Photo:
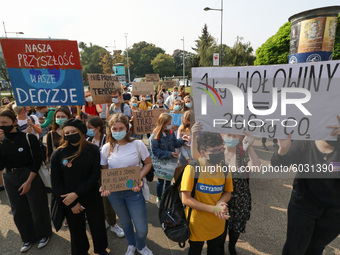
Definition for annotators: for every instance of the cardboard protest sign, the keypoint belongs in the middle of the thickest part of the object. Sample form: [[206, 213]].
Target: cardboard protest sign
[[164, 168], [120, 178], [44, 72], [154, 77], [101, 86], [143, 88], [145, 121], [168, 84], [269, 101]]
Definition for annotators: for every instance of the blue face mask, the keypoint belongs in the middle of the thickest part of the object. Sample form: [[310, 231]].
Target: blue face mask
[[231, 142], [60, 121], [175, 93], [90, 132], [134, 104], [188, 105], [119, 135], [177, 107]]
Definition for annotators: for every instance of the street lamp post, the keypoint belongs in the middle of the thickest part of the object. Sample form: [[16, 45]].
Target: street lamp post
[[221, 10], [17, 33], [127, 57], [183, 62]]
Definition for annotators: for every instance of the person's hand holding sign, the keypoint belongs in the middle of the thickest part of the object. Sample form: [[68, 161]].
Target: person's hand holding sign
[[336, 128], [104, 193], [284, 145], [137, 186]]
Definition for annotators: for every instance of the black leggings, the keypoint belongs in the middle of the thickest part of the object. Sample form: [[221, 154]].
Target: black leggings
[[214, 246]]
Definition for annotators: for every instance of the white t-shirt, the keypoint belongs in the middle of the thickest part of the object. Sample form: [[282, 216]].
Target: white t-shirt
[[23, 125], [123, 155]]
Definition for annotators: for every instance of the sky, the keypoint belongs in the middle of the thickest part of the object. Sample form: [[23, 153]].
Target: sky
[[161, 22]]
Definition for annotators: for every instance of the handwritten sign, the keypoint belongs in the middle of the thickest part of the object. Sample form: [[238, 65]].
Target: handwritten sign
[[44, 72], [143, 88], [169, 84], [269, 101], [164, 168], [154, 77], [144, 122], [101, 86], [176, 118], [120, 178]]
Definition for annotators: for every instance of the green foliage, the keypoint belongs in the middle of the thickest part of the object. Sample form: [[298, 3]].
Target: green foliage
[[205, 47], [91, 58], [178, 62], [140, 56], [336, 52], [276, 49], [239, 55], [163, 64]]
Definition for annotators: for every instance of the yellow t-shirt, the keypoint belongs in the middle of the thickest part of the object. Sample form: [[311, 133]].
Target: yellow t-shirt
[[144, 105], [210, 187]]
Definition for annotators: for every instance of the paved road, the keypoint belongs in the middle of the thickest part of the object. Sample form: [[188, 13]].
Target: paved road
[[266, 229]]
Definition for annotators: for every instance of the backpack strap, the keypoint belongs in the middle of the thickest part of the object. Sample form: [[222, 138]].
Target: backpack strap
[[122, 107]]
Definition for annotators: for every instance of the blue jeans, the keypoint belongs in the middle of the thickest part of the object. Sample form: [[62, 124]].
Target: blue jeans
[[160, 186], [130, 206]]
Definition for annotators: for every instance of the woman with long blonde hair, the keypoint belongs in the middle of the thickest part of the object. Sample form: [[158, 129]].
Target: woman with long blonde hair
[[75, 173], [129, 205], [163, 142]]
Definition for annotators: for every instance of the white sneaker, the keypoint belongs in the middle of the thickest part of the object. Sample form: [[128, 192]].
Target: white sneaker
[[131, 250], [158, 201], [117, 230], [25, 247], [107, 225], [145, 251]]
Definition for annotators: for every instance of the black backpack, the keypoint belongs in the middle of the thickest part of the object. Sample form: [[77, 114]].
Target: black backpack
[[172, 214]]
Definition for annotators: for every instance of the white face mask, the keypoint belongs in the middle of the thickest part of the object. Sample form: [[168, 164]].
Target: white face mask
[[143, 98], [89, 99], [168, 127], [115, 100]]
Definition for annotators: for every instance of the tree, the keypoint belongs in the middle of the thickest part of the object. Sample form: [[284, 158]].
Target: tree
[[276, 49], [239, 55], [163, 64], [107, 62], [205, 47], [90, 58], [4, 73], [336, 51], [140, 56], [178, 62]]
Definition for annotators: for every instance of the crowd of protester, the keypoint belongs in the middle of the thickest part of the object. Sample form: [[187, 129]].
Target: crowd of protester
[[78, 141]]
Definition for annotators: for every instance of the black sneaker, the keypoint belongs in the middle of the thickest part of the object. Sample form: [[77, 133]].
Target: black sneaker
[[26, 247], [264, 147], [43, 242], [2, 188]]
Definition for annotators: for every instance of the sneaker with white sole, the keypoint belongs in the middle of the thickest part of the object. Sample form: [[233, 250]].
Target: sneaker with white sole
[[117, 230], [25, 247], [131, 250], [145, 251], [43, 242]]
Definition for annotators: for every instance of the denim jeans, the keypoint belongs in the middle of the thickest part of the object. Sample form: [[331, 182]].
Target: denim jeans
[[130, 206], [160, 187], [310, 227]]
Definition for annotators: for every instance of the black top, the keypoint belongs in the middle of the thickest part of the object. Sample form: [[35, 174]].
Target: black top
[[81, 177], [322, 188], [15, 152]]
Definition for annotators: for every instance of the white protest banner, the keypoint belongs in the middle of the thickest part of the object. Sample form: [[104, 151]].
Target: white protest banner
[[143, 88], [145, 121], [120, 178], [269, 101], [101, 86], [164, 168]]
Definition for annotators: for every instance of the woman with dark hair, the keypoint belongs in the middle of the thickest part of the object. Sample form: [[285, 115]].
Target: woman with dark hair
[[122, 151], [96, 133], [54, 136], [21, 156], [75, 174]]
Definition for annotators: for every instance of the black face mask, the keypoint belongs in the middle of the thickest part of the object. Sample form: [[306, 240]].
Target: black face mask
[[7, 129], [163, 90], [186, 125], [333, 143], [215, 159], [74, 138]]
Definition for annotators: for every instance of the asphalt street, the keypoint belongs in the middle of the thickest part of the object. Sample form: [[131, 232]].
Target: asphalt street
[[265, 232]]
